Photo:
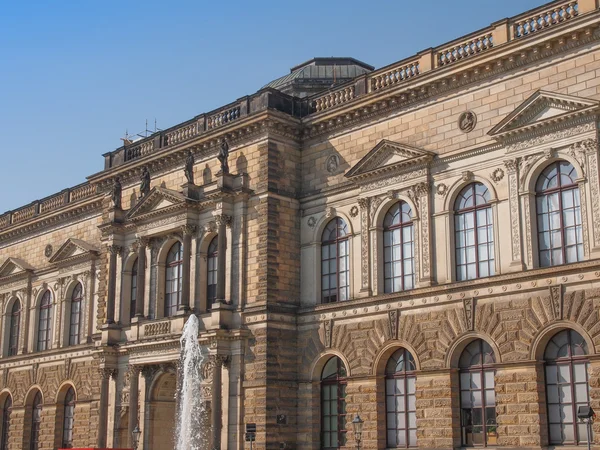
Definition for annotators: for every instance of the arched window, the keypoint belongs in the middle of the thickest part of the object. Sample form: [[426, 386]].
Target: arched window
[[133, 292], [69, 412], [173, 279], [560, 234], [333, 404], [36, 421], [399, 249], [401, 400], [13, 337], [75, 324], [6, 410], [478, 395], [474, 233], [567, 387], [45, 322], [211, 272], [335, 262]]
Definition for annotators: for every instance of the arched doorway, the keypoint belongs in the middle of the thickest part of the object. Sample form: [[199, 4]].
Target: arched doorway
[[162, 412]]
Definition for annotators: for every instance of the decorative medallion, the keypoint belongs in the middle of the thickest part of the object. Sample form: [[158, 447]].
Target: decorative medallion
[[441, 190], [48, 251], [332, 163], [354, 211], [312, 222], [467, 121], [497, 175]]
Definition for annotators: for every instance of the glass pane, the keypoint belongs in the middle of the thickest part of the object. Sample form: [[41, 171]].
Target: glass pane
[[564, 374], [580, 372], [490, 398], [554, 415], [581, 393]]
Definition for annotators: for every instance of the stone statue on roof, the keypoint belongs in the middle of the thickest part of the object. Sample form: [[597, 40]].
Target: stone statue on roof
[[116, 193], [145, 182], [189, 167], [223, 155]]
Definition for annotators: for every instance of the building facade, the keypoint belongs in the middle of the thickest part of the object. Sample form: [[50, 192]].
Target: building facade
[[418, 244]]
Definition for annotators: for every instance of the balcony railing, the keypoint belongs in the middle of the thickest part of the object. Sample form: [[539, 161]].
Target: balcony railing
[[545, 18]]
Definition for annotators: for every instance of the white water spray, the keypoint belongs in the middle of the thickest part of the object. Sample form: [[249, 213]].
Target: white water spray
[[190, 434]]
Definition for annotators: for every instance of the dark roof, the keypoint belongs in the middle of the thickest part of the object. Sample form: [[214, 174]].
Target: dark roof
[[322, 69]]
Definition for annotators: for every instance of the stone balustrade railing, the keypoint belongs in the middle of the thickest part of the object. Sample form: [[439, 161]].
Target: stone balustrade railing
[[53, 203], [138, 151], [334, 98], [546, 18], [465, 49], [157, 329], [223, 117], [46, 205], [181, 134], [81, 192], [394, 75]]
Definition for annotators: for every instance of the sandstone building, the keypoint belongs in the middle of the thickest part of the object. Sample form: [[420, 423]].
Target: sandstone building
[[418, 244]]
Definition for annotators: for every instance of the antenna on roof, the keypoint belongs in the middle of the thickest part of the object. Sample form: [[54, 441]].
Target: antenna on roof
[[334, 74], [126, 140]]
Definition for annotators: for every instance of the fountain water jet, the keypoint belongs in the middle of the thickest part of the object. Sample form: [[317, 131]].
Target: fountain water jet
[[190, 434]]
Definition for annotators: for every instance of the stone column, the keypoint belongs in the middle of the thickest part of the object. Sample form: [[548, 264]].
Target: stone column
[[217, 361], [105, 375], [365, 253], [515, 219], [420, 196], [148, 374], [222, 221], [141, 278], [590, 148], [113, 250], [133, 401], [187, 231]]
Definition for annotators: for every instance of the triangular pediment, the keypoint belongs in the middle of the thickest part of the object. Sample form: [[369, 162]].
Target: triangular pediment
[[159, 199], [389, 155], [543, 108], [73, 249], [13, 267]]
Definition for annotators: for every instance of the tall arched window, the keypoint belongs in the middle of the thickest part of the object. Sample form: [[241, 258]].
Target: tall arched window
[[45, 322], [398, 249], [36, 421], [333, 404], [133, 292], [567, 386], [15, 320], [401, 400], [560, 234], [335, 262], [478, 395], [474, 233], [211, 271], [173, 279], [75, 323], [68, 417], [6, 410]]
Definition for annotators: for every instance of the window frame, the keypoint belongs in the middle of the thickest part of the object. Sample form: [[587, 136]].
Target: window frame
[[6, 412], [14, 328], [44, 335], [133, 289], [212, 267], [36, 421], [570, 362], [339, 380], [76, 300], [482, 369], [403, 375], [68, 418], [173, 267], [560, 189], [459, 212], [400, 227], [340, 224]]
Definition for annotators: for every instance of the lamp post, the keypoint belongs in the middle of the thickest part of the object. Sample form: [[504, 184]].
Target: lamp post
[[586, 415], [357, 425], [135, 434]]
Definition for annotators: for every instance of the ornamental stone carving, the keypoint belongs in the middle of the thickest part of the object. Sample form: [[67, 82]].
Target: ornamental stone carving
[[497, 175], [393, 322], [332, 163], [469, 310], [328, 326], [467, 121], [354, 211], [556, 297], [441, 190]]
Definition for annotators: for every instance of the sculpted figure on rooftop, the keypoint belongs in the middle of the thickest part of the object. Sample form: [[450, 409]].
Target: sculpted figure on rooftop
[[145, 182], [223, 155]]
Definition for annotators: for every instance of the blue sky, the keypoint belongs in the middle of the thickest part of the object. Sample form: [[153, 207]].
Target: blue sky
[[74, 75]]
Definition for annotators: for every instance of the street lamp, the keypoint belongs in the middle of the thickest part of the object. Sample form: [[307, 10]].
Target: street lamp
[[135, 434], [357, 426], [586, 415]]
